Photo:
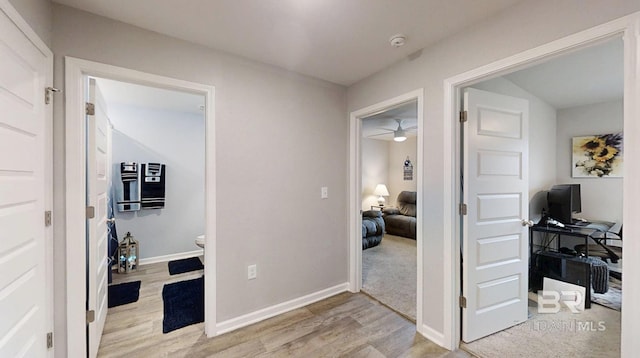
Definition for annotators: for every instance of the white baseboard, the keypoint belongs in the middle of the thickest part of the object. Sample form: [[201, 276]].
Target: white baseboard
[[164, 258], [260, 315], [432, 335]]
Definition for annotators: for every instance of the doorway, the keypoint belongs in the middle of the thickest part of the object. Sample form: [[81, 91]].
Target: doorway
[[389, 192], [357, 196], [76, 71], [624, 27], [569, 98], [148, 192]]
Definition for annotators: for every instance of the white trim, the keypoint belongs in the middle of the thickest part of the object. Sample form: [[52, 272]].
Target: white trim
[[75, 71], [33, 37], [630, 344], [432, 335], [260, 315], [171, 257], [355, 192], [627, 26]]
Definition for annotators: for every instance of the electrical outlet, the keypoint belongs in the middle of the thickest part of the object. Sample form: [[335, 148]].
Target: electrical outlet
[[324, 192], [252, 272]]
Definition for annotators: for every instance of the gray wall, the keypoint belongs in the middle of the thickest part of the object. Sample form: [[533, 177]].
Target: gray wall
[[175, 139], [524, 26], [280, 137], [382, 163], [601, 197], [38, 15], [398, 153], [375, 170]]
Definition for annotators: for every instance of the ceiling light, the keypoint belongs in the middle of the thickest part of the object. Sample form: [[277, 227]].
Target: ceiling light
[[397, 40], [399, 135]]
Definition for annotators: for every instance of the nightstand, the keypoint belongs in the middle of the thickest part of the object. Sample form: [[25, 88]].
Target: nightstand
[[379, 207]]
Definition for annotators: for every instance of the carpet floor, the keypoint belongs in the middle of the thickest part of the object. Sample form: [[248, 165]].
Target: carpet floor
[[594, 332], [389, 273]]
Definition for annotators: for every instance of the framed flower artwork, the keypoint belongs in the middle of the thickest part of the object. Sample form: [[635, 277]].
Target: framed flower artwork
[[597, 156]]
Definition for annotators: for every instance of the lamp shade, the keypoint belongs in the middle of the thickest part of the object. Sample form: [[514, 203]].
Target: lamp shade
[[381, 190]]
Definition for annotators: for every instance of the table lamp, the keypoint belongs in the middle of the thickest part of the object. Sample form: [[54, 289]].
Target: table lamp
[[381, 191]]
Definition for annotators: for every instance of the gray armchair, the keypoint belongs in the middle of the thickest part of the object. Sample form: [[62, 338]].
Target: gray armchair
[[372, 228], [401, 220]]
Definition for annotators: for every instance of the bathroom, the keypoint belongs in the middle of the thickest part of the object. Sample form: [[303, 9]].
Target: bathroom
[[152, 125]]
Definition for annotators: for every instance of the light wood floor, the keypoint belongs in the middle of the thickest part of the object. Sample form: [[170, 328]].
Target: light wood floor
[[346, 325]]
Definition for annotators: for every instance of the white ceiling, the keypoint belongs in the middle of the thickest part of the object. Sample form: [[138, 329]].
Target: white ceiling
[[301, 41], [587, 76], [341, 41], [123, 93]]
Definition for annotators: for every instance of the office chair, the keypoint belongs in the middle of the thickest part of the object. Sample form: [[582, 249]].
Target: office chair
[[601, 249]]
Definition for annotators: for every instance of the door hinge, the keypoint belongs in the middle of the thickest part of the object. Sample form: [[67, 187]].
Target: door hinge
[[47, 94], [463, 209], [49, 340], [47, 218], [91, 316], [91, 212], [463, 116], [90, 109], [463, 302]]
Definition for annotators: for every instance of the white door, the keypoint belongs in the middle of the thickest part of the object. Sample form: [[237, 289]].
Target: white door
[[24, 310], [495, 189], [98, 174]]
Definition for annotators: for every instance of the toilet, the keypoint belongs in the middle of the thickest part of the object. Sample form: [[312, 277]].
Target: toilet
[[200, 241]]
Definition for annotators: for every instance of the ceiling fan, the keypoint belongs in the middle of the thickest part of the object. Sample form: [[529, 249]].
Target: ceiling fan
[[399, 134]]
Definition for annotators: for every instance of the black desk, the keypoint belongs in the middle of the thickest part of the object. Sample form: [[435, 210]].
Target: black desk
[[597, 232]]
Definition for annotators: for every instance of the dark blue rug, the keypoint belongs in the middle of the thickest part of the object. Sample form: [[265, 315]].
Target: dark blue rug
[[123, 293], [185, 265], [183, 304]]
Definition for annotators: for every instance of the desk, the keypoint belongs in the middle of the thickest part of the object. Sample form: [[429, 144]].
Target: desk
[[597, 231], [580, 271]]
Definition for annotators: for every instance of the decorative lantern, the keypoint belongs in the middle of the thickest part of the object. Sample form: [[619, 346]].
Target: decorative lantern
[[128, 251]]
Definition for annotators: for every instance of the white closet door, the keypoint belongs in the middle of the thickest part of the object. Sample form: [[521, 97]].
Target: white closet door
[[24, 310]]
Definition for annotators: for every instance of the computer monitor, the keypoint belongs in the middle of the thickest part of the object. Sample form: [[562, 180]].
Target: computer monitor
[[563, 200]]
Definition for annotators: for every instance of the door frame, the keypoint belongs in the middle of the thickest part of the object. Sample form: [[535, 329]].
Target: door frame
[[355, 191], [76, 71], [628, 28]]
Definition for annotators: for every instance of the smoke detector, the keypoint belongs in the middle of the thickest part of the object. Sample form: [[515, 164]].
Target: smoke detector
[[397, 40]]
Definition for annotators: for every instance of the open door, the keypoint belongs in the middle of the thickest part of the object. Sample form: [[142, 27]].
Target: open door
[[24, 312], [98, 178], [495, 190]]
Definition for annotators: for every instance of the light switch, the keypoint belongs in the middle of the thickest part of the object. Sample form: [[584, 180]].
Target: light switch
[[252, 272], [324, 192]]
